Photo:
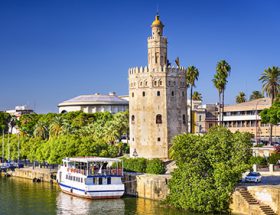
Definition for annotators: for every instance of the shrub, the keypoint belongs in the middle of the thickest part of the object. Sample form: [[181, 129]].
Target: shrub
[[258, 160], [273, 158], [155, 166], [134, 164]]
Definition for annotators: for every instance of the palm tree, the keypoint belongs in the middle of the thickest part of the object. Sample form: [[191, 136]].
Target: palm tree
[[222, 72], [41, 130], [270, 79], [192, 76], [240, 98], [219, 83], [256, 95], [197, 96], [59, 126]]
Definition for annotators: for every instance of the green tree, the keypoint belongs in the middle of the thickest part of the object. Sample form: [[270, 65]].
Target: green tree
[[270, 79], [240, 98], [192, 77], [271, 115], [256, 95], [4, 122], [41, 130], [197, 96], [209, 168]]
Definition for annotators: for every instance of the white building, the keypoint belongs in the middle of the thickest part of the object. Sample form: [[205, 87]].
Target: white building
[[93, 103]]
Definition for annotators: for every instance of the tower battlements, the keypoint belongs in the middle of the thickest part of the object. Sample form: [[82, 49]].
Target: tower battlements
[[161, 69]]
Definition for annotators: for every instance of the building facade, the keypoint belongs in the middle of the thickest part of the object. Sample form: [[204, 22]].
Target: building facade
[[244, 117], [157, 100], [204, 117], [94, 103]]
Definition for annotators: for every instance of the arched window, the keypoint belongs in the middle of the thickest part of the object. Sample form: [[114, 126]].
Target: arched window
[[183, 94], [158, 119], [143, 94], [160, 83], [132, 94], [132, 118], [146, 83], [158, 139], [184, 118], [172, 93], [199, 118], [141, 83], [158, 93], [155, 83]]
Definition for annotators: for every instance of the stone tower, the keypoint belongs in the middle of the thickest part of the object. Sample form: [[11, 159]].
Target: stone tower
[[157, 100]]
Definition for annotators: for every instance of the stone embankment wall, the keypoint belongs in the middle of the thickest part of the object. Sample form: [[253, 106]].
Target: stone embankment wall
[[45, 175], [267, 194], [146, 185]]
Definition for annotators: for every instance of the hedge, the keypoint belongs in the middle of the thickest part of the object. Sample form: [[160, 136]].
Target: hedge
[[153, 166]]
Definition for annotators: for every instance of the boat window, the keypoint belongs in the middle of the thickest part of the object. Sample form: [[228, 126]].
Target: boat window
[[109, 180], [66, 176], [100, 181], [81, 180]]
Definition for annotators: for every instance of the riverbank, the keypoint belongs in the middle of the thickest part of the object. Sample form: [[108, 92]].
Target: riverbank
[[42, 174]]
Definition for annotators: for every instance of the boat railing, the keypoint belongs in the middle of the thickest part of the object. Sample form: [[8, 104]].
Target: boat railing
[[96, 172]]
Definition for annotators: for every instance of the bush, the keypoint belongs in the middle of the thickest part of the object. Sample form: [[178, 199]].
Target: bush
[[273, 159], [155, 166], [258, 160], [135, 164]]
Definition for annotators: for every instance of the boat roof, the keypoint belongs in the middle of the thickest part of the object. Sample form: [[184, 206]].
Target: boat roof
[[91, 159]]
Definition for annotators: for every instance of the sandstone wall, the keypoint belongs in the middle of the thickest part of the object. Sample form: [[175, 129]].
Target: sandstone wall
[[146, 185]]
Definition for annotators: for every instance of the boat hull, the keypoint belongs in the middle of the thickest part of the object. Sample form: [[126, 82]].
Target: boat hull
[[92, 194]]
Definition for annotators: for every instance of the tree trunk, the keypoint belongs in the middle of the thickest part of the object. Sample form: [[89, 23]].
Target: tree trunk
[[191, 118], [223, 104], [187, 112], [270, 125], [219, 110]]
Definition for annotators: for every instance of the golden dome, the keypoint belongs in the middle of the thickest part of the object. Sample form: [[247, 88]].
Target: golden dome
[[157, 22]]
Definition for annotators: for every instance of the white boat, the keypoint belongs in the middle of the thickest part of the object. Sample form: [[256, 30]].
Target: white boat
[[91, 177]]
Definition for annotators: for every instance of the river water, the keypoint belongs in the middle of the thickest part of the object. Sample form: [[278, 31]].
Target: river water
[[23, 197]]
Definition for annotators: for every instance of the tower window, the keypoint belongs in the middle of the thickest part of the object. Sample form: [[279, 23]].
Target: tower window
[[160, 83], [143, 94], [199, 118], [184, 118], [158, 139], [155, 83], [158, 93], [158, 119], [132, 118], [169, 83], [172, 93], [141, 83], [132, 94], [183, 94], [146, 83]]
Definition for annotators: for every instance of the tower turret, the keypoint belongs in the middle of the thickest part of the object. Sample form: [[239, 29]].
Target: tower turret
[[157, 45]]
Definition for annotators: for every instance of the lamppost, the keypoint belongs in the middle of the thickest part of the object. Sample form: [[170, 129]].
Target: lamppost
[[135, 154], [256, 123]]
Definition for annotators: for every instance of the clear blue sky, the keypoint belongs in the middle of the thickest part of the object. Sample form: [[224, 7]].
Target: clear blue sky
[[53, 50]]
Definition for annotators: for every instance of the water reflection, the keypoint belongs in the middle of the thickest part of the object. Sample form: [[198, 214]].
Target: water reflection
[[70, 205], [22, 197]]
